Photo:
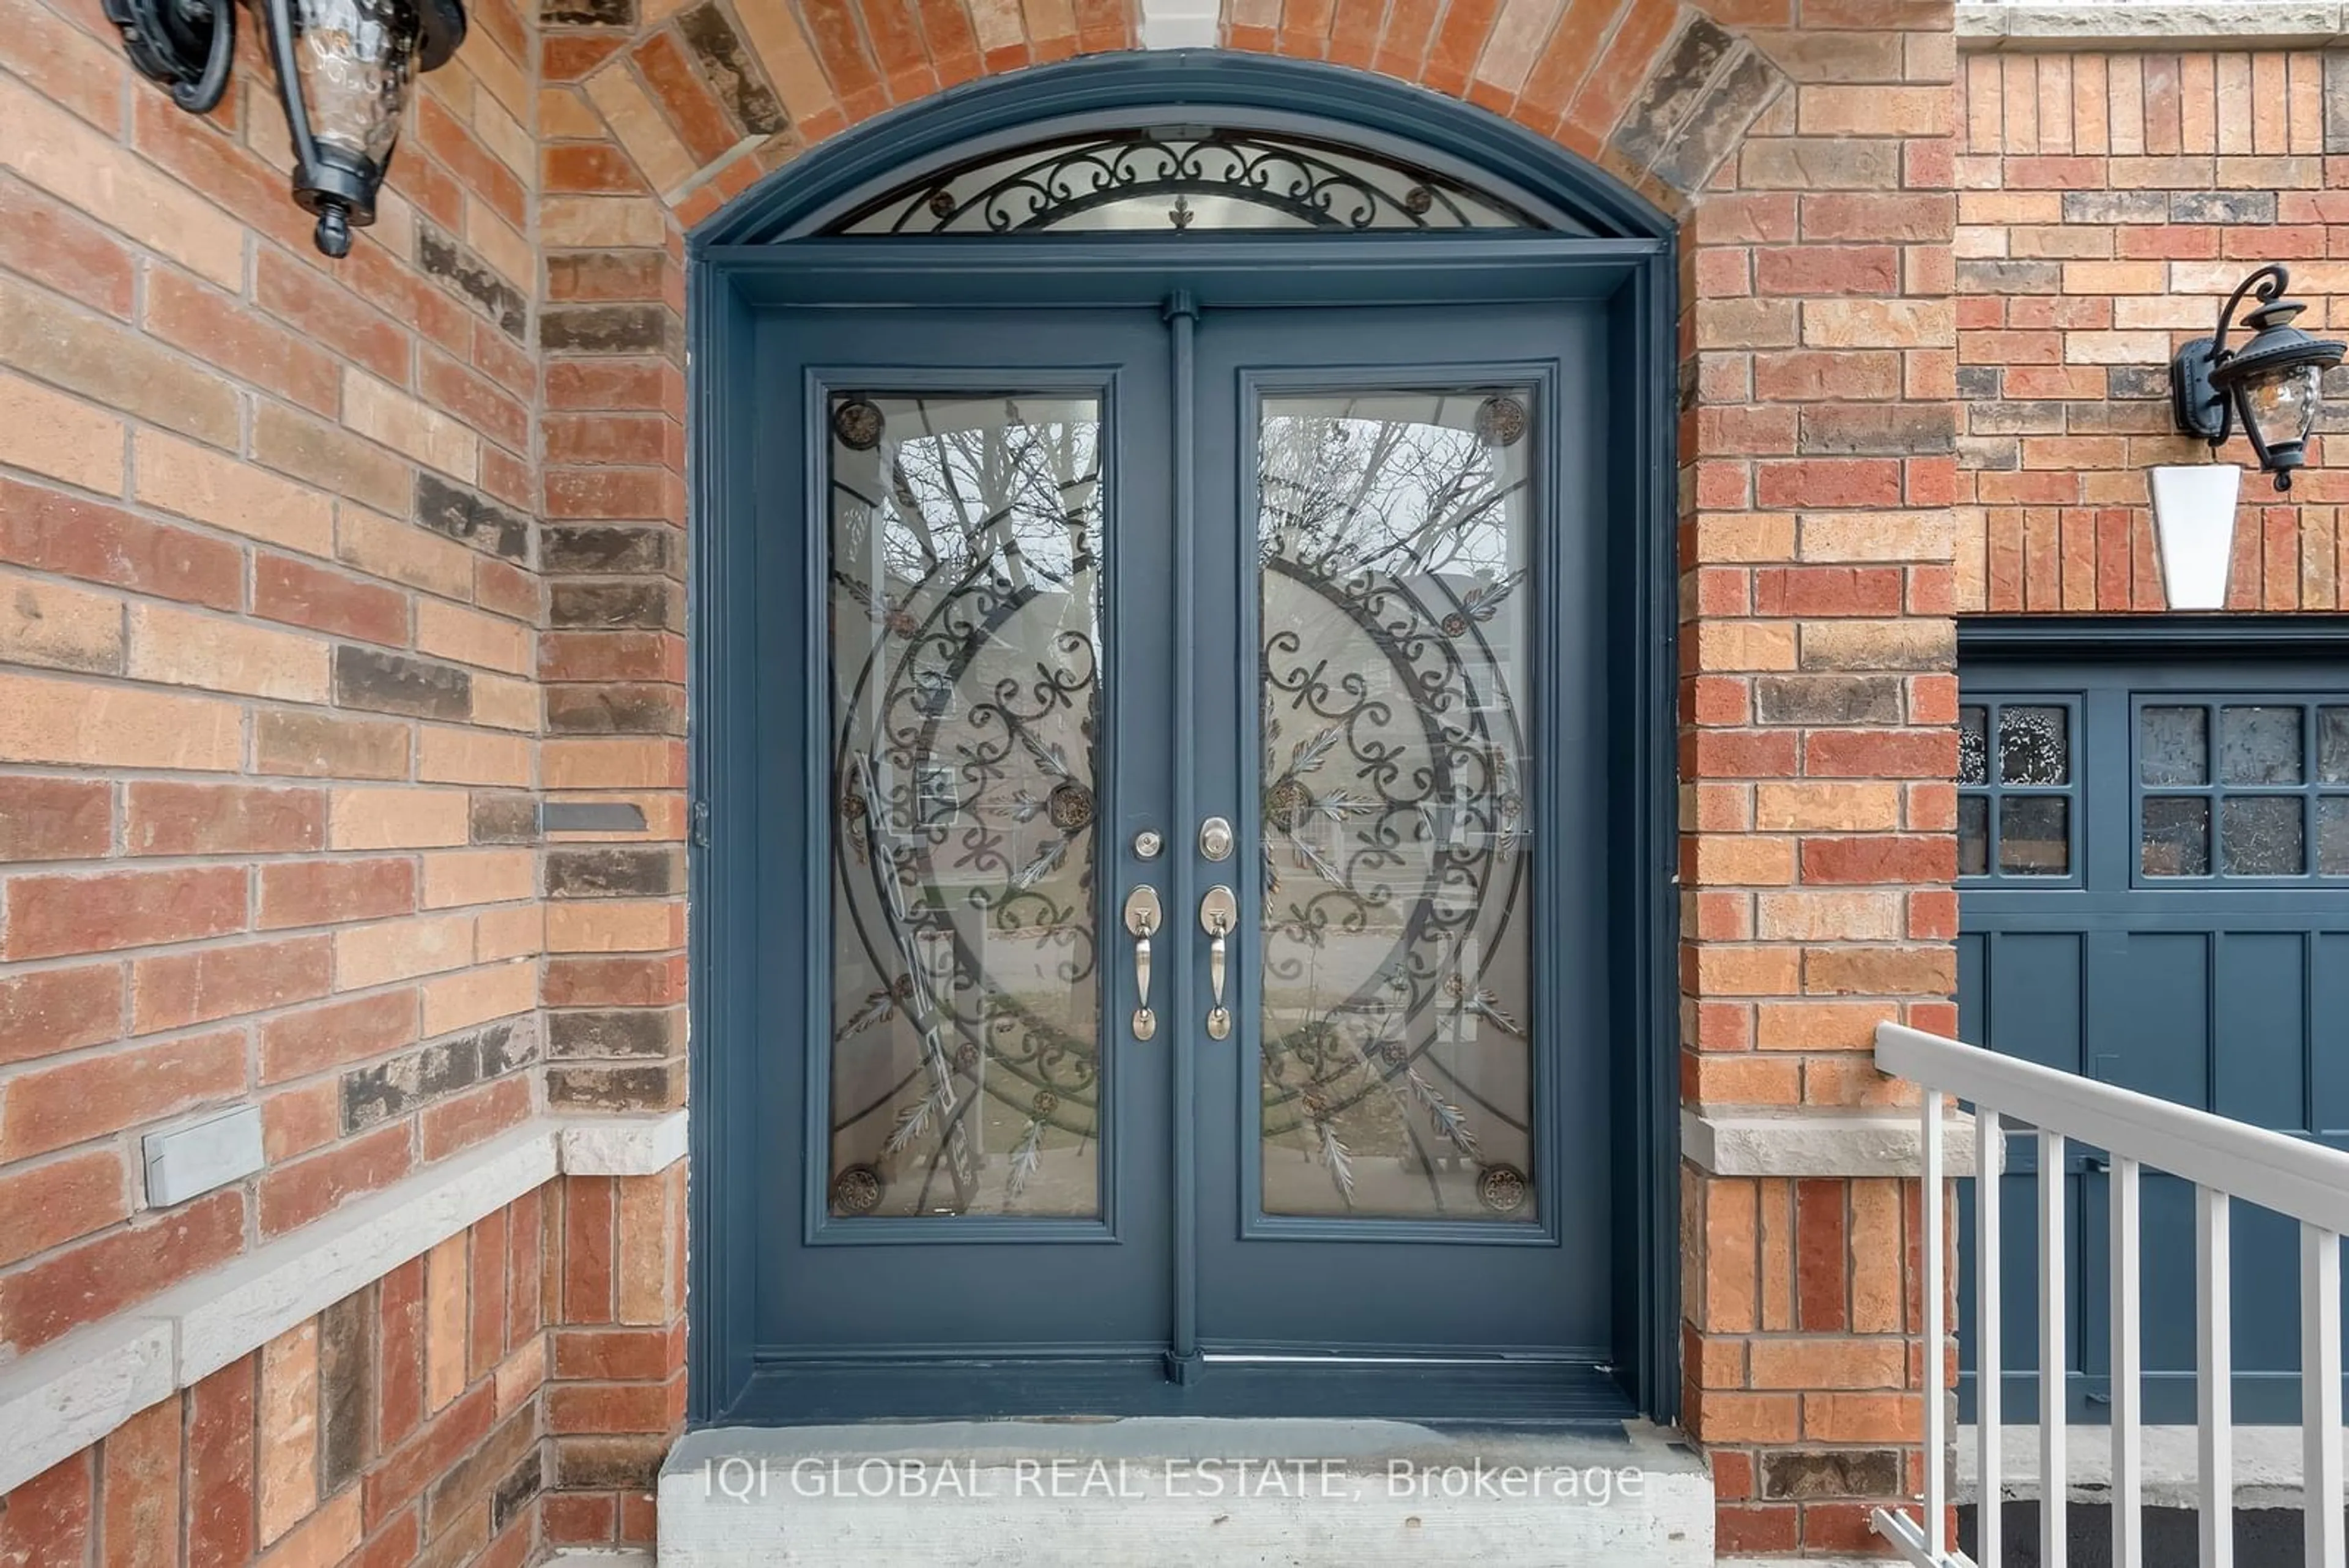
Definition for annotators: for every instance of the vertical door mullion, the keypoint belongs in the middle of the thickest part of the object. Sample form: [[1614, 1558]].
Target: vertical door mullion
[[1180, 1032]]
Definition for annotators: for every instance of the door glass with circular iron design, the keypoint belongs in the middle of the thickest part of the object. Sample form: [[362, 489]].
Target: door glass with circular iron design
[[1394, 559], [966, 543]]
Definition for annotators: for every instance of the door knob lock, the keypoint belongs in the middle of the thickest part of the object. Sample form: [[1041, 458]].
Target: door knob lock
[[1215, 838], [1218, 913]]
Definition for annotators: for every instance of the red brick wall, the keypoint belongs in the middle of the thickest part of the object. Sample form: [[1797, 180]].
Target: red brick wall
[[2109, 203], [269, 727], [268, 608], [514, 1388], [1804, 142], [400, 1425]]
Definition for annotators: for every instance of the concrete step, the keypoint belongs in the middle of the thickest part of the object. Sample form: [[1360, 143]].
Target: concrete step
[[1149, 1490]]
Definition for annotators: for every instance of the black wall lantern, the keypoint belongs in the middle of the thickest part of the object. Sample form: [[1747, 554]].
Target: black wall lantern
[[344, 67], [2271, 383]]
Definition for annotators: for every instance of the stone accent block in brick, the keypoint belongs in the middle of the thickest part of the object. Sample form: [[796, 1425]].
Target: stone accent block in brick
[[470, 518], [388, 683]]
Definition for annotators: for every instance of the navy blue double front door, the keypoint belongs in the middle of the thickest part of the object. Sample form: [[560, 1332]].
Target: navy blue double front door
[[1182, 747]]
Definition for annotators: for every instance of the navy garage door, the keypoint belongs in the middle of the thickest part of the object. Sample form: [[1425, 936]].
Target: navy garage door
[[2154, 863]]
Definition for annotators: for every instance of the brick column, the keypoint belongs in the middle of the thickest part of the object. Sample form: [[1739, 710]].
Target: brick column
[[1817, 697], [613, 660], [615, 1401]]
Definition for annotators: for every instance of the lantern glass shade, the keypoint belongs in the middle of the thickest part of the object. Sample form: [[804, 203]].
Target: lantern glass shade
[[2281, 404], [354, 57]]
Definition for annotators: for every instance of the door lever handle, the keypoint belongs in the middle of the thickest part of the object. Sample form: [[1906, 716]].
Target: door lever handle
[[1141, 914], [1218, 911]]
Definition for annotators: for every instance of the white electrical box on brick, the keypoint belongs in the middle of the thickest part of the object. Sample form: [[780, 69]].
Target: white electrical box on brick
[[192, 1158]]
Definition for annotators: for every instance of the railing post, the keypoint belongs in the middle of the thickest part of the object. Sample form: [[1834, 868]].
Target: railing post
[[2225, 1159], [1937, 1457], [2053, 1403], [2128, 1400], [1990, 1366], [2320, 1395], [2214, 1374]]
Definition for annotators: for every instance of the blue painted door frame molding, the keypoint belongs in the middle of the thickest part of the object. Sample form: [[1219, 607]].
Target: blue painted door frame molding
[[1605, 245]]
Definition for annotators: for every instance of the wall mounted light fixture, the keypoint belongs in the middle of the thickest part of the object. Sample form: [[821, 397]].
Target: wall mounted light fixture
[[2194, 532], [2272, 383], [343, 68]]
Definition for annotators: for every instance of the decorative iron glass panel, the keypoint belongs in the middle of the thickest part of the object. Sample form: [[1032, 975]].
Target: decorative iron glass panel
[[964, 567], [1178, 179], [1395, 540]]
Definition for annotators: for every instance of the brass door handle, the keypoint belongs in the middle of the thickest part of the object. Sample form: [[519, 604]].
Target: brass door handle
[[1218, 912], [1142, 916]]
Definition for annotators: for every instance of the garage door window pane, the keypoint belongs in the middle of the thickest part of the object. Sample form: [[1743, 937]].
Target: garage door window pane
[[2033, 836], [2034, 746], [2176, 840], [2332, 836], [1974, 747], [1973, 836], [2333, 746], [2261, 835], [2174, 745], [2260, 745]]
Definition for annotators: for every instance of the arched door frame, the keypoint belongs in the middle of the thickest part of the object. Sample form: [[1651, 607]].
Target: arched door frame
[[1607, 244]]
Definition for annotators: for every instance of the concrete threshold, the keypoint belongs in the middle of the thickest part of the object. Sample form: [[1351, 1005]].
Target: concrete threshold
[[1149, 1490], [2267, 1468]]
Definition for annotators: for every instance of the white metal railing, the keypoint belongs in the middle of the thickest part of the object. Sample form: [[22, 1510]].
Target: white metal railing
[[2225, 1160]]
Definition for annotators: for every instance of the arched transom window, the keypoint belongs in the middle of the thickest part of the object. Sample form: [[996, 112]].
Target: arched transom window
[[1182, 179]]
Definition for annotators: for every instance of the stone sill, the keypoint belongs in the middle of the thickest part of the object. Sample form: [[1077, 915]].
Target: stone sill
[[2055, 25], [66, 1396], [1820, 1143]]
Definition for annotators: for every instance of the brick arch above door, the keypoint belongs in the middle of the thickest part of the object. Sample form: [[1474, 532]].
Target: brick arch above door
[[1804, 147], [649, 121]]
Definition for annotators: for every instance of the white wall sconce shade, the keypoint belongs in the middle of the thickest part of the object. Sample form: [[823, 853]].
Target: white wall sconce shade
[[2194, 531]]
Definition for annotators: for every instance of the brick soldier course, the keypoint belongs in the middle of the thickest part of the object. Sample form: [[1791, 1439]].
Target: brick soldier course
[[316, 580]]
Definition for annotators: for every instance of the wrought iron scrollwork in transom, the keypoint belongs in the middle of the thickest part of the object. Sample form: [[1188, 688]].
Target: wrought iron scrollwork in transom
[[1182, 179]]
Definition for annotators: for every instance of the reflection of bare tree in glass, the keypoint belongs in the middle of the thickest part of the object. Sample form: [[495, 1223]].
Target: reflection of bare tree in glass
[[1349, 490], [965, 535], [1393, 537]]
